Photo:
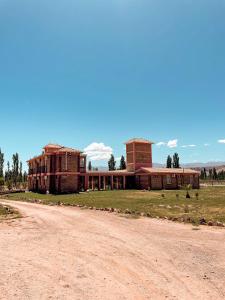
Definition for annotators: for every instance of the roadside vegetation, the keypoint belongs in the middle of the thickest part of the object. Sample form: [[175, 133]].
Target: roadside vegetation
[[203, 206], [13, 178], [7, 212]]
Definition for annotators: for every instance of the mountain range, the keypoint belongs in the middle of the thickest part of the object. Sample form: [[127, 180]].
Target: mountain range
[[196, 165]]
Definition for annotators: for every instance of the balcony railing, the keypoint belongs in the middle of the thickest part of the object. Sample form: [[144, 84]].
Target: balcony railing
[[38, 170]]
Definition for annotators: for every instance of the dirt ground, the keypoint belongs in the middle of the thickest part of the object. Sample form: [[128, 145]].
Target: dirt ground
[[70, 253]]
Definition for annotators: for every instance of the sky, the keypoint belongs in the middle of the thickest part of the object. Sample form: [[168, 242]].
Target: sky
[[91, 74]]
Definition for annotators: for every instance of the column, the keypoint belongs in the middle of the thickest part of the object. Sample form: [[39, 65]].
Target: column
[[86, 182], [124, 182], [111, 182], [104, 182], [99, 182], [117, 182], [92, 183]]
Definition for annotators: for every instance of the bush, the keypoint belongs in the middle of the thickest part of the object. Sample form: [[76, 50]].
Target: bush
[[188, 195], [9, 184], [2, 183]]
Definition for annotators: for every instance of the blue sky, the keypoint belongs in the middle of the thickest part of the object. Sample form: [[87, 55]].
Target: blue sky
[[78, 72]]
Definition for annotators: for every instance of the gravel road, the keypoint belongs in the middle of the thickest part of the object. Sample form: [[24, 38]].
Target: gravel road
[[70, 253]]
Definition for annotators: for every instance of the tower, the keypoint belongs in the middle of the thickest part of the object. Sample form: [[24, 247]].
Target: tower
[[139, 154]]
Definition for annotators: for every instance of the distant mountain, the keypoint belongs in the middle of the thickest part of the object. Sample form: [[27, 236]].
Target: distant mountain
[[209, 164], [219, 165]]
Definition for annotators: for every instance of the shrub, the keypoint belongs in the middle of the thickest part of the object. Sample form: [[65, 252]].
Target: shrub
[[9, 184], [2, 183], [188, 195]]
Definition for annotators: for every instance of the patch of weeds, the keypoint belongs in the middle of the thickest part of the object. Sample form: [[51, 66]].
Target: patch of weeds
[[196, 228], [186, 209], [130, 216]]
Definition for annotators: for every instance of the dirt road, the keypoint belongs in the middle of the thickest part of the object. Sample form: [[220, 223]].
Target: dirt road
[[69, 253]]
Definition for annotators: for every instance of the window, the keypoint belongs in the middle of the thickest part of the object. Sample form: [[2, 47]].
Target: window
[[168, 179], [82, 161]]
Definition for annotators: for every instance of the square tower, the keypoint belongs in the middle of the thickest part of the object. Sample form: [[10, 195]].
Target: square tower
[[139, 154]]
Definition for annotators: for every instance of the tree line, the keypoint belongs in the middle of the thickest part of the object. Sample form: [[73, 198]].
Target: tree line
[[111, 164], [212, 174], [173, 161], [13, 176]]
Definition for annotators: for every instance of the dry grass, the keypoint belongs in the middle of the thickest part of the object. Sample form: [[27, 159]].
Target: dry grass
[[210, 203], [7, 212]]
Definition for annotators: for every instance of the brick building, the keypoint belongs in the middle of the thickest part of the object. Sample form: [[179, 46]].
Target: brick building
[[63, 170]]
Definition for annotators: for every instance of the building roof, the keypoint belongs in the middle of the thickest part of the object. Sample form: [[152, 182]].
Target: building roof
[[60, 148], [166, 171], [56, 146], [139, 140], [115, 172], [67, 149]]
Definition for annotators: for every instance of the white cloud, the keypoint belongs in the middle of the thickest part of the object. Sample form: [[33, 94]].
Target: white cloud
[[160, 144], [172, 144], [206, 145], [188, 146], [98, 151], [221, 141]]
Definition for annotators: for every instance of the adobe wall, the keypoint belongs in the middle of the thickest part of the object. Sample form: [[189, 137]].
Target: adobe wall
[[158, 182]]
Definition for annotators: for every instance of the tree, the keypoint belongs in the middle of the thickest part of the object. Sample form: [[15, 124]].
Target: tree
[[205, 173], [21, 172], [169, 162], [221, 175], [122, 163], [202, 176], [176, 161], [25, 176], [15, 168], [8, 173], [89, 166], [1, 163], [215, 176], [2, 183], [112, 163], [210, 173]]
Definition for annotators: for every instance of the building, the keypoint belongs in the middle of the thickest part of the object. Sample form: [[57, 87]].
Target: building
[[63, 170]]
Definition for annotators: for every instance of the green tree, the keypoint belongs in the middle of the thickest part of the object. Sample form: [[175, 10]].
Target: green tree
[[21, 172], [176, 161], [205, 173], [122, 163], [215, 174], [15, 168], [169, 162], [210, 173], [25, 176], [89, 166], [8, 174], [2, 183], [112, 163], [1, 163], [202, 176]]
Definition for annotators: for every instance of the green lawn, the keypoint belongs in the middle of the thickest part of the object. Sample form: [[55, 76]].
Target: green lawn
[[210, 203]]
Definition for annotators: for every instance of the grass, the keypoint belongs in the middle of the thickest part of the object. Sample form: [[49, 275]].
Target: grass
[[7, 212], [210, 203]]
